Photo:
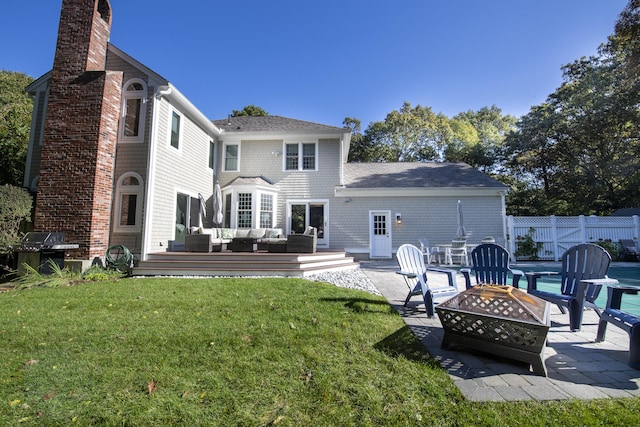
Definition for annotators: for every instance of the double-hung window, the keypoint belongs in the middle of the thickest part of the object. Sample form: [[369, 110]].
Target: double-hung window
[[300, 156], [212, 148], [244, 210], [266, 210], [231, 157], [176, 129]]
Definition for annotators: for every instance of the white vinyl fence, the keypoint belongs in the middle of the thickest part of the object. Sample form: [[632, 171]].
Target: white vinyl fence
[[559, 233]]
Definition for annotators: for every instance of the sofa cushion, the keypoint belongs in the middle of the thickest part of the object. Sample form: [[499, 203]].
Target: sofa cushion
[[242, 232], [213, 232], [257, 233], [227, 233]]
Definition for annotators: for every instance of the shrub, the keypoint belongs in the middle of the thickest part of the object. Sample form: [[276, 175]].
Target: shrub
[[610, 247], [527, 247]]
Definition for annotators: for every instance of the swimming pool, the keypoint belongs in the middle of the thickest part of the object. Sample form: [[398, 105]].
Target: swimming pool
[[628, 274]]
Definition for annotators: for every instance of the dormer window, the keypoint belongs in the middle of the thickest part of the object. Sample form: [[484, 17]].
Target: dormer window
[[133, 111]]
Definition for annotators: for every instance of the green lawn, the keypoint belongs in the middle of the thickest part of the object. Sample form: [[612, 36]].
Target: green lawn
[[253, 352]]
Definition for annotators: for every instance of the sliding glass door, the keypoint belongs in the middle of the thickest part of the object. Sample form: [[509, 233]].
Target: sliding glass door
[[303, 214]]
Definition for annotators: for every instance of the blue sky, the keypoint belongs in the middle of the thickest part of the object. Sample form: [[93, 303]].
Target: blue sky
[[326, 60]]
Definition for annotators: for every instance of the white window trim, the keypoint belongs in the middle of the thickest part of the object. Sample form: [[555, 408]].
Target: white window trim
[[180, 130], [224, 156], [300, 156], [141, 94], [121, 190]]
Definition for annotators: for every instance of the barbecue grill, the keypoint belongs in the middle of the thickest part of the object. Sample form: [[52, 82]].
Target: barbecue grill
[[39, 249]]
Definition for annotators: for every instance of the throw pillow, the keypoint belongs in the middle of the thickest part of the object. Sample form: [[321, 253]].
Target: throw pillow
[[227, 233], [274, 233]]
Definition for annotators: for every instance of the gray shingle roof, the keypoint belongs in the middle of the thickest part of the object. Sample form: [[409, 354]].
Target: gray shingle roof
[[272, 124], [413, 175]]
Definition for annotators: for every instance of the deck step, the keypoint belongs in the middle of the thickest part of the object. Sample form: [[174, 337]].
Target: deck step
[[243, 264]]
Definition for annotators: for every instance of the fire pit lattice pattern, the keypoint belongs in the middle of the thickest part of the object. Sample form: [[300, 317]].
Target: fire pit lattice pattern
[[491, 329]]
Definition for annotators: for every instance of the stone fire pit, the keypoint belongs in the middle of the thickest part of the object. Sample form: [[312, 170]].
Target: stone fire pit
[[500, 320]]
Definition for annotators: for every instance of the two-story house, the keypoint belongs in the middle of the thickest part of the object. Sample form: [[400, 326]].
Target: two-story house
[[118, 155]]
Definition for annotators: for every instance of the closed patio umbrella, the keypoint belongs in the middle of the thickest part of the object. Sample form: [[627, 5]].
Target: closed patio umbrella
[[461, 231], [202, 210], [217, 204]]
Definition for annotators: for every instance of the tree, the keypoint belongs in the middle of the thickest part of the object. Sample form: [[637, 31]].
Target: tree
[[406, 135], [626, 39], [479, 136], [582, 146], [15, 123], [250, 110], [15, 208]]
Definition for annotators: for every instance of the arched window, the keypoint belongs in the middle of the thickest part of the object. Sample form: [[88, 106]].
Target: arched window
[[128, 214], [134, 107]]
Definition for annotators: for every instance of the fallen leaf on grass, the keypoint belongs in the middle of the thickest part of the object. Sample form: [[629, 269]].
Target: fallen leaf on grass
[[307, 377], [49, 395], [277, 420], [30, 362], [151, 387]]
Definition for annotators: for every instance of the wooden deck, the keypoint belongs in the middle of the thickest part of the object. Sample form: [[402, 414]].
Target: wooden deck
[[229, 263]]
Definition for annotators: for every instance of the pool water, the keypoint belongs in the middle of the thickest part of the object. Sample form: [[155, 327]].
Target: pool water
[[627, 275]]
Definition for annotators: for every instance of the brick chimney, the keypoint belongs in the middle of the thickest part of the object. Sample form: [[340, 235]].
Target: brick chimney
[[75, 187]]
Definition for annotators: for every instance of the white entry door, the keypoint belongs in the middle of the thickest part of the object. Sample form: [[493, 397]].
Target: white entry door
[[380, 234]]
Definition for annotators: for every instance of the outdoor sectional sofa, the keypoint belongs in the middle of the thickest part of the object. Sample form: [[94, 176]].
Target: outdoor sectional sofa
[[218, 239], [269, 239]]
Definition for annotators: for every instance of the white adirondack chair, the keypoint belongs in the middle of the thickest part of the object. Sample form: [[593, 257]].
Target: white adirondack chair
[[458, 250], [413, 270], [432, 254]]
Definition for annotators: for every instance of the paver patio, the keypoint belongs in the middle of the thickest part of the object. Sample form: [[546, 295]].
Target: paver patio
[[577, 367]]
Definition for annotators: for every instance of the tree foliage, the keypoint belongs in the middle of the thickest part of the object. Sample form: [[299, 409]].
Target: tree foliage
[[15, 207], [15, 122], [250, 110]]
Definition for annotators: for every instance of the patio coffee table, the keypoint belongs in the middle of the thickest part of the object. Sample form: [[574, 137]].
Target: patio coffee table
[[244, 244]]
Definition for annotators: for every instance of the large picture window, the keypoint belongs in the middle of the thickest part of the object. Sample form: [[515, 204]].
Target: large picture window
[[133, 111], [300, 156], [129, 192]]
